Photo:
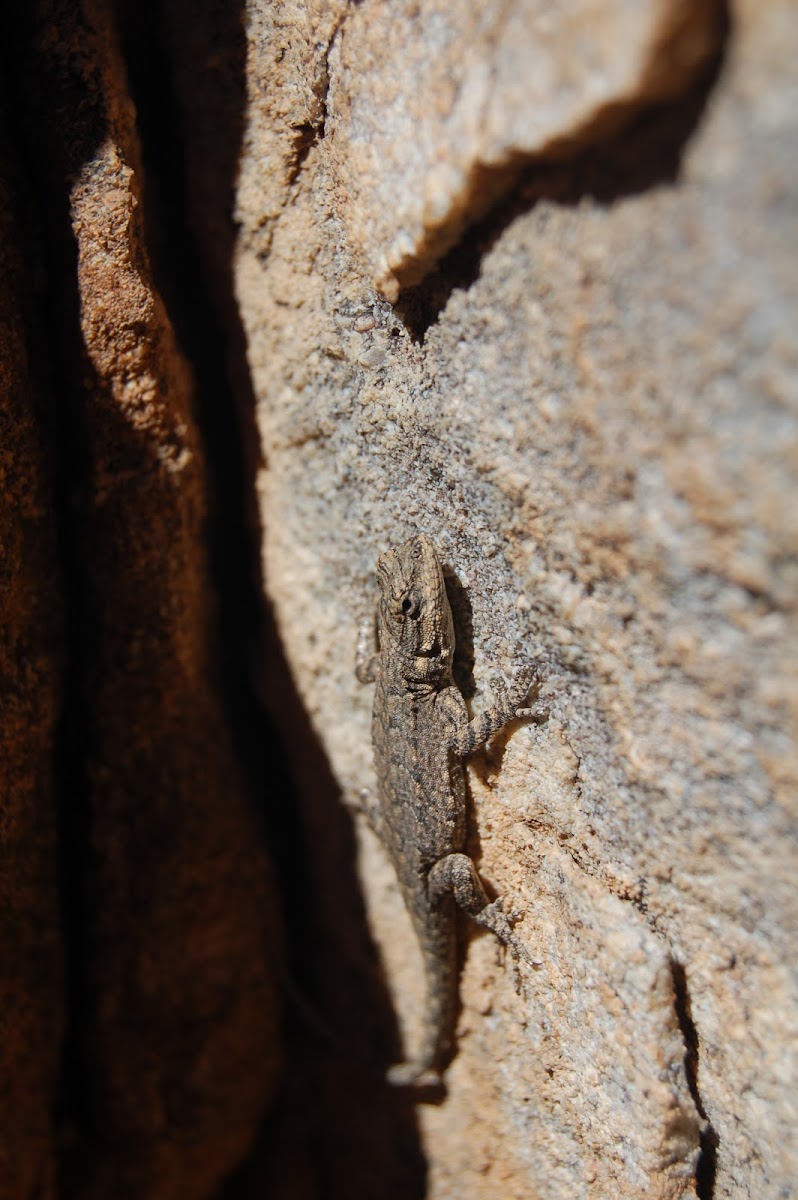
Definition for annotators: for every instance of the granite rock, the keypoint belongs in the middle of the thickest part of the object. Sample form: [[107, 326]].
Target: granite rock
[[590, 406]]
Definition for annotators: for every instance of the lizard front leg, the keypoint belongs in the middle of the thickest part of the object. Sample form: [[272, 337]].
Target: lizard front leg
[[466, 735], [366, 651]]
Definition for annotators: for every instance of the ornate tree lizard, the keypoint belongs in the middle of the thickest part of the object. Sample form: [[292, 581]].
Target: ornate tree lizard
[[421, 735]]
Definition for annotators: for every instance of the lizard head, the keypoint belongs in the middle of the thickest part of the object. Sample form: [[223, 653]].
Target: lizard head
[[414, 614]]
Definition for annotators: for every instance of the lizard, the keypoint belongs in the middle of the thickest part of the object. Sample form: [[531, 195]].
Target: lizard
[[421, 736]]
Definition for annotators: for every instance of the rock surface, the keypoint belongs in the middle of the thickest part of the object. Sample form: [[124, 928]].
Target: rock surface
[[168, 906], [521, 277], [591, 408], [434, 107]]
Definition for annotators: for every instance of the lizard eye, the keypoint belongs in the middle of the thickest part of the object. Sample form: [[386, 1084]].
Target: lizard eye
[[411, 605]]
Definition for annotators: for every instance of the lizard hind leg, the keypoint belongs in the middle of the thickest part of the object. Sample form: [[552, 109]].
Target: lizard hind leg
[[456, 875]]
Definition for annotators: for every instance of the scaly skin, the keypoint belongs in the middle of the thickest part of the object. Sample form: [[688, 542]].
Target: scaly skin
[[421, 735]]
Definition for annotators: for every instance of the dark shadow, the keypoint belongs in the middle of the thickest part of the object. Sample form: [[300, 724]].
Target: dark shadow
[[463, 617], [36, 93], [644, 151], [707, 1165], [338, 1129]]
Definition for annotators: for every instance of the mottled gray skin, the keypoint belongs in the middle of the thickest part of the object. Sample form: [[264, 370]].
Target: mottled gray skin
[[421, 734]]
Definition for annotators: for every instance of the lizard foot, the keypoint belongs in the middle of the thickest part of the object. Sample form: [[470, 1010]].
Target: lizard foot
[[494, 918]]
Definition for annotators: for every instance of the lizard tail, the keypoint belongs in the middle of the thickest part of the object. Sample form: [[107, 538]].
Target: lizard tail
[[439, 949]]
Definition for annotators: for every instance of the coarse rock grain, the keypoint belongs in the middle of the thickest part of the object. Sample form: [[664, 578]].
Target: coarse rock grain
[[592, 412]]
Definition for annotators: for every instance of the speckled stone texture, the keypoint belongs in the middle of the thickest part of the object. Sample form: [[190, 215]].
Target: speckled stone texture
[[434, 107], [523, 277], [590, 405]]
